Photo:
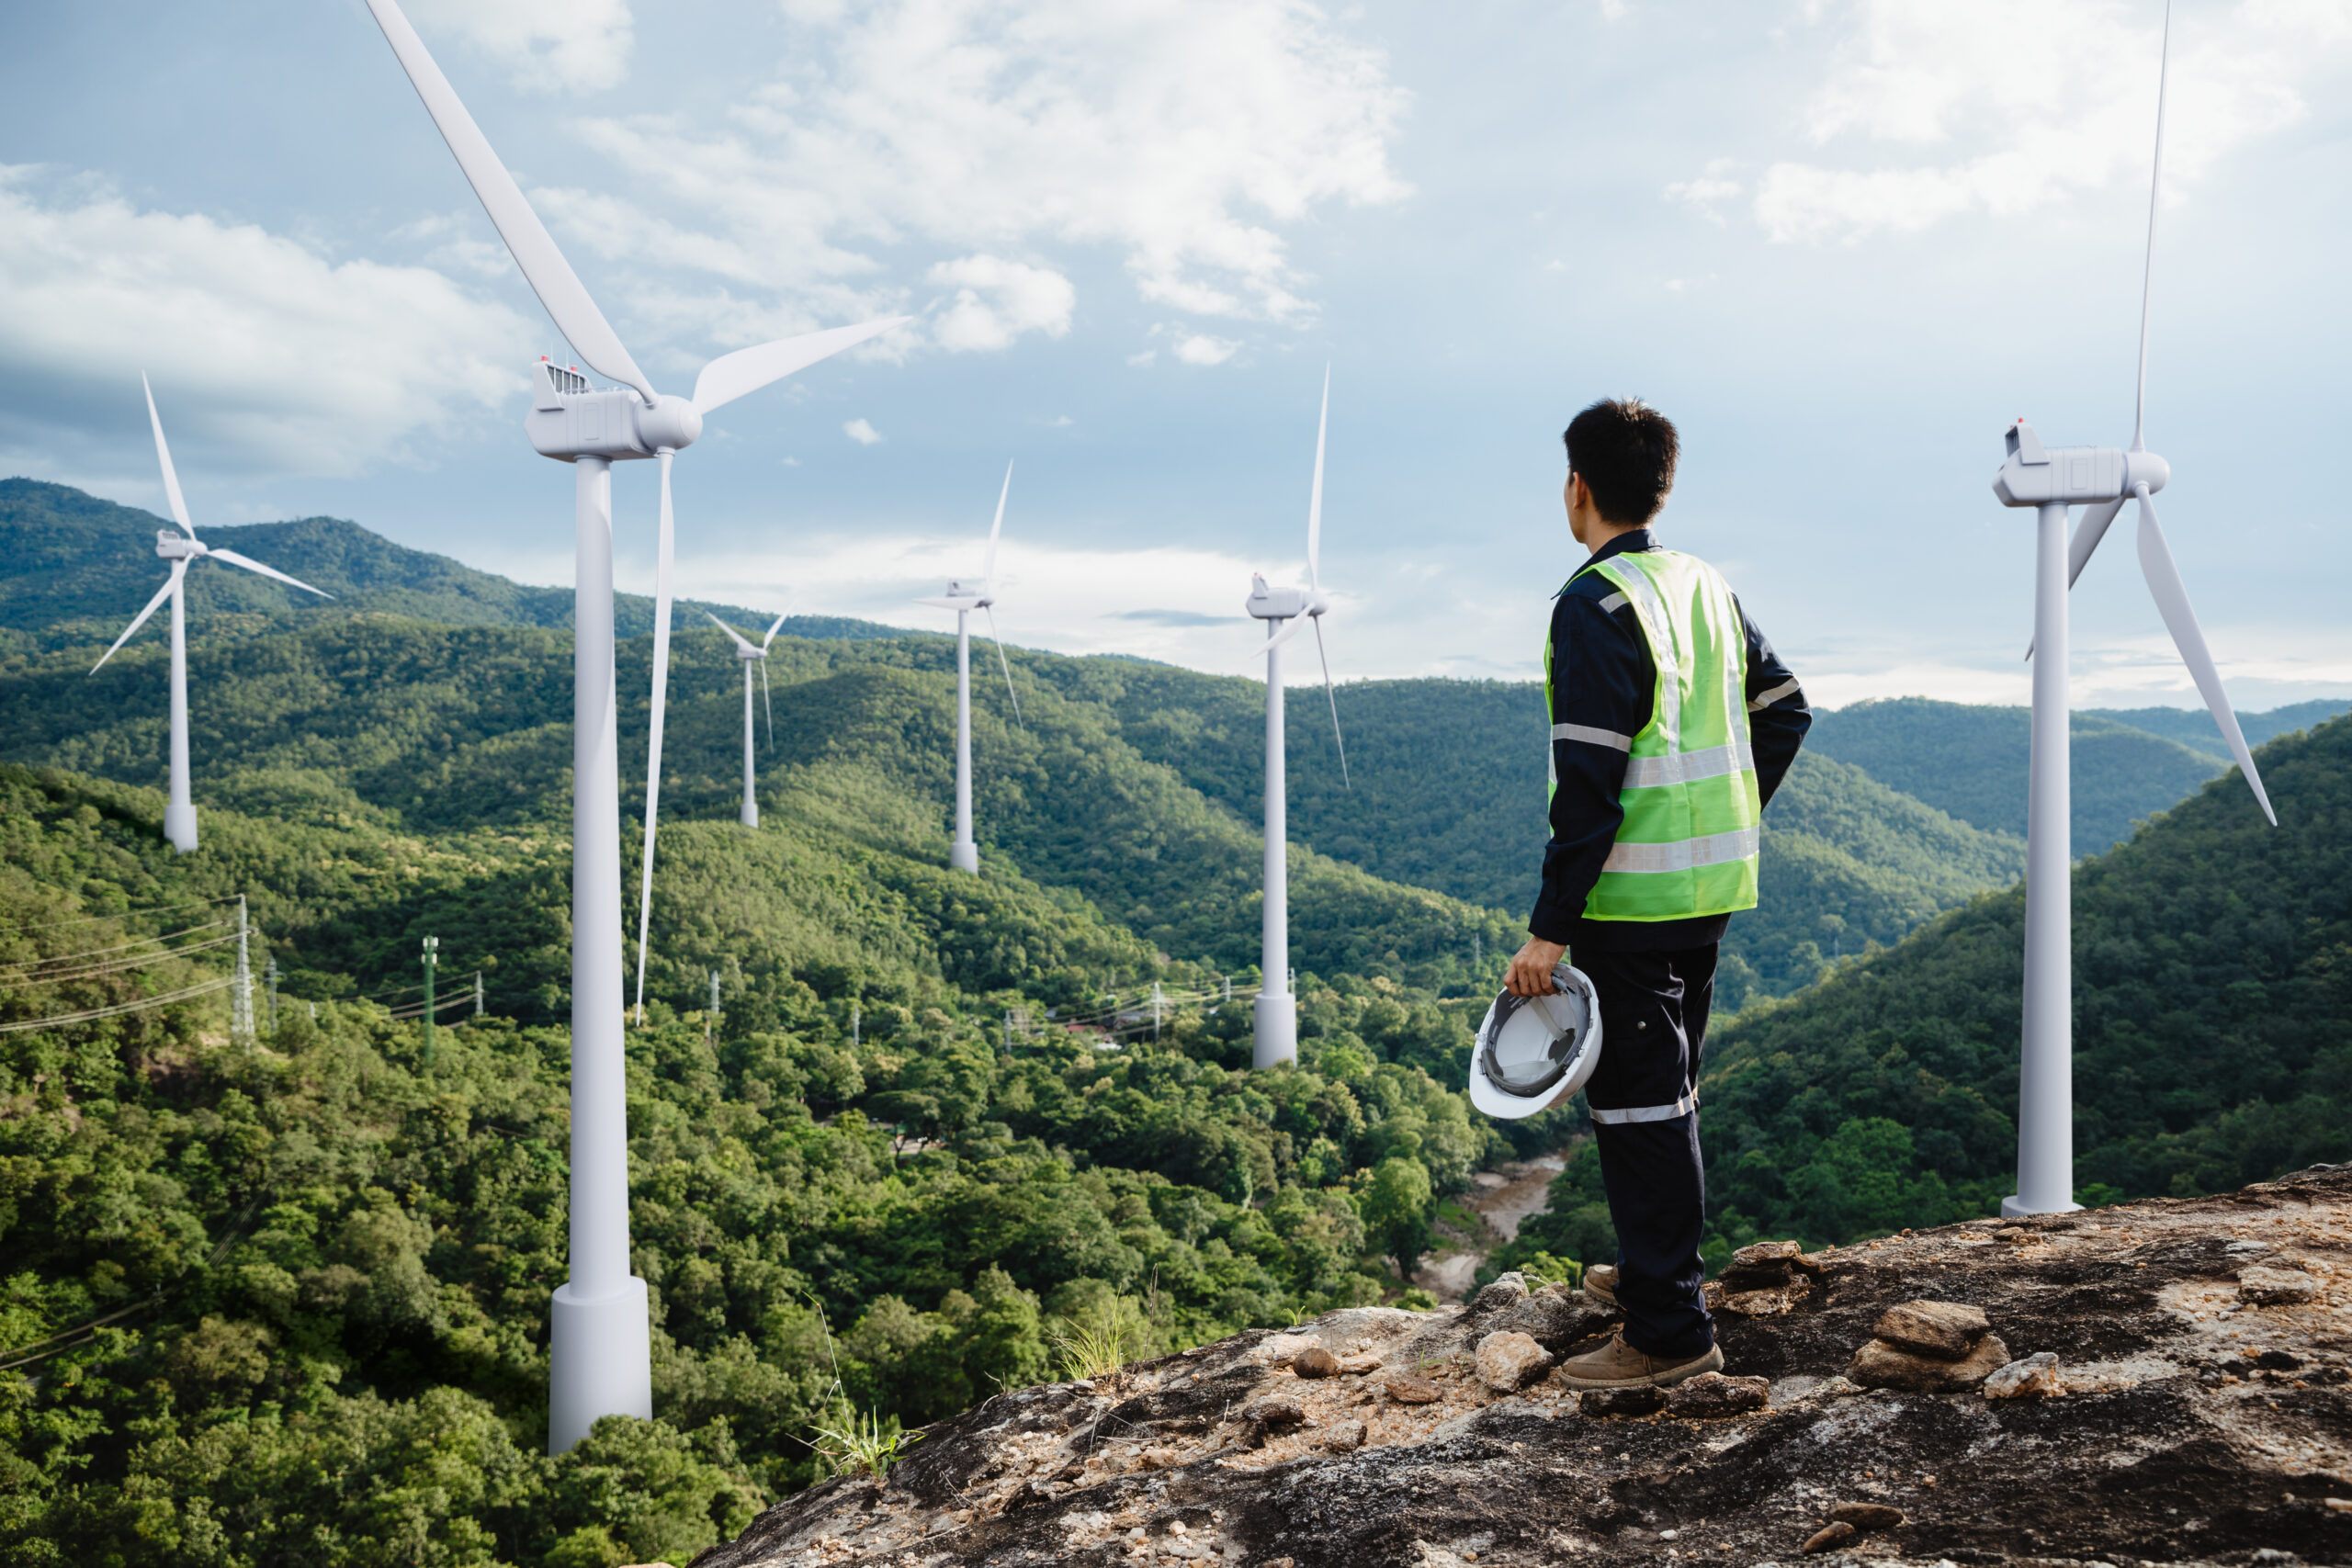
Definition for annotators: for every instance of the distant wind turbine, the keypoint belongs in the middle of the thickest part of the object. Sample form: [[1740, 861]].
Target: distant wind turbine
[[749, 655], [964, 854], [179, 814], [1275, 1029]]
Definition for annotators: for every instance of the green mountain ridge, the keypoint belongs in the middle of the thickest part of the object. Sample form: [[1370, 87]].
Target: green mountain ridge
[[1972, 761], [74, 568]]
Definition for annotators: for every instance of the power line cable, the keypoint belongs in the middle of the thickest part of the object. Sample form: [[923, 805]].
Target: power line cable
[[207, 989]]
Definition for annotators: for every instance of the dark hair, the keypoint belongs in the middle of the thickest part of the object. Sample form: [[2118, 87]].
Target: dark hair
[[1626, 451]]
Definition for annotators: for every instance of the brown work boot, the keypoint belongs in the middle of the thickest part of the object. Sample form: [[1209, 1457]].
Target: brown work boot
[[1619, 1365], [1600, 1283]]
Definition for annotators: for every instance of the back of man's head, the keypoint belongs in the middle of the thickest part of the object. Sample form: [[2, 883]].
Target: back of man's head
[[1626, 451]]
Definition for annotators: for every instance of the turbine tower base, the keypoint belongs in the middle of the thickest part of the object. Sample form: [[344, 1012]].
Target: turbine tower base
[[2016, 1208], [965, 857], [179, 827], [600, 1361], [1276, 1030], [751, 813]]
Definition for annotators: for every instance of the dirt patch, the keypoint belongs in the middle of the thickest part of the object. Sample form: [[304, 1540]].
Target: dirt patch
[[1470, 1227]]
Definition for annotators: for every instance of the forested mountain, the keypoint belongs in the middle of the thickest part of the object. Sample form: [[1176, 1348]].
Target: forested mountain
[[287, 1301], [1443, 771], [1972, 760], [2195, 729], [73, 568]]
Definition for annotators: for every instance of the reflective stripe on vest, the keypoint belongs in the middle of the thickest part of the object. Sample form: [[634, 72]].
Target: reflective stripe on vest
[[1688, 846]]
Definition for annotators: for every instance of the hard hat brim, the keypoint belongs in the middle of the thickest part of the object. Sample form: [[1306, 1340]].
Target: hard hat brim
[[1499, 1102]]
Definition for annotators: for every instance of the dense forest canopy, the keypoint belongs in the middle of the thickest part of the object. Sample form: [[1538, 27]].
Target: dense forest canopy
[[284, 1299]]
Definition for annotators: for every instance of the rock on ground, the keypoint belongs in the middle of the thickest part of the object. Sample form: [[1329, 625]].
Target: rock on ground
[[2031, 1377], [1508, 1360], [1881, 1365], [1948, 1329], [2198, 1427]]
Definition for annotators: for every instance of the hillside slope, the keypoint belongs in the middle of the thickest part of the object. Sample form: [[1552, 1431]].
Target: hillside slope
[[453, 730], [2212, 1036], [300, 1287], [1972, 761]]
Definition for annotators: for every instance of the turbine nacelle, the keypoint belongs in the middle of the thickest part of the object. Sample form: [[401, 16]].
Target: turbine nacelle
[[1267, 604], [570, 420], [960, 598], [177, 546], [2034, 475]]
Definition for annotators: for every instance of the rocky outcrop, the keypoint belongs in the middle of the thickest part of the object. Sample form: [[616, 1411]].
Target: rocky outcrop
[[2195, 1407]]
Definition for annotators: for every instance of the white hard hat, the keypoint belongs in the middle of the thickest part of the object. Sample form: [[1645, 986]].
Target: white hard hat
[[1534, 1052]]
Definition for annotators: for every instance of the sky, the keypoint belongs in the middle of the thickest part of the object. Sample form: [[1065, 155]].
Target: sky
[[1841, 242]]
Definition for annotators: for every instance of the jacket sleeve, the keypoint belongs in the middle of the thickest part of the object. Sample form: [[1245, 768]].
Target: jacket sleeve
[[1603, 686], [1777, 715]]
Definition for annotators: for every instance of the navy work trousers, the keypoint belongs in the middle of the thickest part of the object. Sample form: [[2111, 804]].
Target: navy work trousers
[[1643, 1097]]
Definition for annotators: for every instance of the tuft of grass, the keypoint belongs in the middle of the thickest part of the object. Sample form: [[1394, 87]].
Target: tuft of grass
[[1100, 1342], [870, 1446]]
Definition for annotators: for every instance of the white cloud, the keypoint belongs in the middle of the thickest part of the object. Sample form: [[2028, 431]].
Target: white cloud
[[997, 300], [862, 432], [546, 45], [1181, 136], [255, 344], [1199, 348], [2023, 102]]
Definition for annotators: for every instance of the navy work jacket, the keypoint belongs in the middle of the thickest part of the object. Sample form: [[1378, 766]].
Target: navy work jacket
[[1604, 679]]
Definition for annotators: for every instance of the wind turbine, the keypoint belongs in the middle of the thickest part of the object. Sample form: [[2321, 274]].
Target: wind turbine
[[2049, 479], [179, 812], [750, 656], [600, 1360], [1275, 1026], [964, 854]]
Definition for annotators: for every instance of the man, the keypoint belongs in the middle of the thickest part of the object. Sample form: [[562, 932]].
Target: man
[[1672, 722]]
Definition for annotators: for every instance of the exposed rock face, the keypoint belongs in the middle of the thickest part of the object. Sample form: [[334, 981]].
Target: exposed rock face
[[2198, 1425]]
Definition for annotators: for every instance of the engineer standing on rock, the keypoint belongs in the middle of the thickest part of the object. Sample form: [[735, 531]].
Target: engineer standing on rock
[[1673, 721]]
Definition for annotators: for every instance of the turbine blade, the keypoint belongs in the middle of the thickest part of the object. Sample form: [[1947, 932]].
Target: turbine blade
[[1315, 497], [2172, 602], [733, 636], [179, 569], [1001, 659], [2087, 534], [1334, 697], [988, 566], [163, 456], [233, 559], [551, 278], [767, 703], [951, 601], [1297, 625], [663, 560], [730, 376], [769, 641], [2148, 270]]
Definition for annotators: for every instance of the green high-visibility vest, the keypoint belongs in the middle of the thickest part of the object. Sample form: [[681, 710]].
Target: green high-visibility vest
[[1688, 846]]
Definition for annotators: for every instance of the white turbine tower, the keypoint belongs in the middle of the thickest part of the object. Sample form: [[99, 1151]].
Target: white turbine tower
[[599, 1354], [179, 813], [964, 854], [1275, 1025], [749, 655], [2049, 479]]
